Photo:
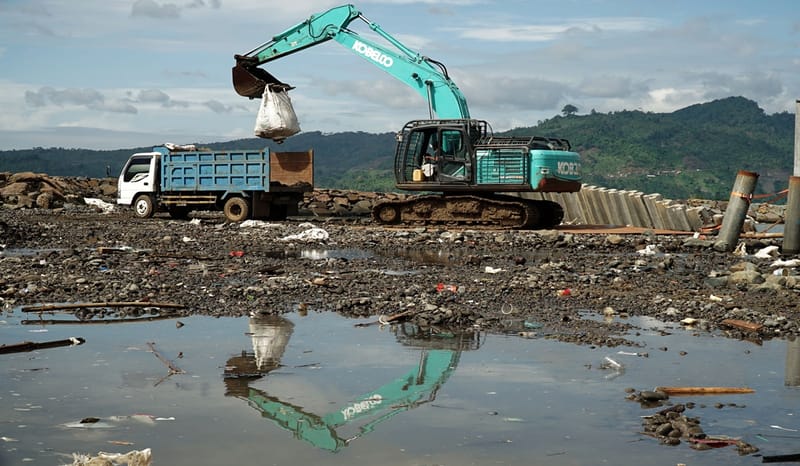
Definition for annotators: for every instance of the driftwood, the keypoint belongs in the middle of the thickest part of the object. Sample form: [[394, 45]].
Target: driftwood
[[742, 325], [173, 369], [30, 345], [677, 391], [97, 321], [58, 307], [793, 457]]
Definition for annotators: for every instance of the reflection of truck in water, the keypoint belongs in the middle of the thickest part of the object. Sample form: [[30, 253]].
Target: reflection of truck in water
[[242, 183], [439, 356]]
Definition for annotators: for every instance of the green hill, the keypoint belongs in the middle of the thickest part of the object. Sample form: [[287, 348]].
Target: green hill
[[692, 152]]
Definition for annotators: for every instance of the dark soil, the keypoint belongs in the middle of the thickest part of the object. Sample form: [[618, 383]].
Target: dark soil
[[572, 287]]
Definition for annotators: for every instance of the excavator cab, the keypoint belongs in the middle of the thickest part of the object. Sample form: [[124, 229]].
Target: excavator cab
[[250, 81]]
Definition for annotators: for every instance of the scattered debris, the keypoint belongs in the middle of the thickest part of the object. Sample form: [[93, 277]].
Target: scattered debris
[[59, 307], [105, 207], [671, 425], [312, 233], [132, 458], [743, 325], [609, 363], [794, 457], [173, 369], [678, 391], [30, 345], [784, 428]]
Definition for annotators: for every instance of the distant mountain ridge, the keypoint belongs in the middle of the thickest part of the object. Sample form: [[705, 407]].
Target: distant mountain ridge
[[693, 152]]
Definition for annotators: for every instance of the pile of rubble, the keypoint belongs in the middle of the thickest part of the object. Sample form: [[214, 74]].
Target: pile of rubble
[[27, 190], [38, 190]]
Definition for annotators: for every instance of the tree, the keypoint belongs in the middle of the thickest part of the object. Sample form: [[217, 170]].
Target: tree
[[569, 109]]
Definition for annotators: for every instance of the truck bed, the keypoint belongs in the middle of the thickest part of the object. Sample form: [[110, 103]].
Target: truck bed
[[237, 171]]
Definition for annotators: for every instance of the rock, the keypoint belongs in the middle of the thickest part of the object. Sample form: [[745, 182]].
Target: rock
[[748, 277]]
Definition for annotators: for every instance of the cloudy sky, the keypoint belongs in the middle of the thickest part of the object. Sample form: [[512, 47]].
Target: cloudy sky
[[108, 74]]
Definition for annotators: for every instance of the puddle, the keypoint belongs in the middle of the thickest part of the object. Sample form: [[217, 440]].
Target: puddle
[[316, 389], [321, 254]]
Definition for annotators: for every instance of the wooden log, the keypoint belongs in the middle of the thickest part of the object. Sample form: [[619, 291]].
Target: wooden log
[[30, 345], [743, 325], [55, 307], [95, 321], [677, 391], [792, 457]]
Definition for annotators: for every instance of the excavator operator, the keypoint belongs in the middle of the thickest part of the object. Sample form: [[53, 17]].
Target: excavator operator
[[430, 160]]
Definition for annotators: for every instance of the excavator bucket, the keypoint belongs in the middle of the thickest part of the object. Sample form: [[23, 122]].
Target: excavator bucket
[[250, 81]]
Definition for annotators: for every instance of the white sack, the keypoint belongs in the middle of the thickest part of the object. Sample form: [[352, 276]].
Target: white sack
[[276, 118]]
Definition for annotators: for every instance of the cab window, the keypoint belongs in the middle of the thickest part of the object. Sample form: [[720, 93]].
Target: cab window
[[137, 165]]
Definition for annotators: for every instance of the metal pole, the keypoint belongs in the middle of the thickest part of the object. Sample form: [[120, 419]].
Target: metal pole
[[736, 211], [791, 223], [796, 138]]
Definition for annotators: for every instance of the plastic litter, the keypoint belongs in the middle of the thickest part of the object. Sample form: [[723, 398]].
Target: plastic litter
[[768, 252], [786, 263], [609, 363], [132, 458], [180, 147], [649, 250], [257, 224], [442, 287], [311, 234], [784, 428], [104, 206], [490, 269]]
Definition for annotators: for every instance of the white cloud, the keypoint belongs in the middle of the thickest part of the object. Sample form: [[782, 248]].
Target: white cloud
[[505, 31]]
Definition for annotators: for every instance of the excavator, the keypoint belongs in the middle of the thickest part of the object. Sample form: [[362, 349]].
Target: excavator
[[464, 173], [439, 356]]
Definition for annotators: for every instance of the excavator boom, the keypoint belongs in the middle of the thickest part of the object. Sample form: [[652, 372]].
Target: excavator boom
[[426, 76]]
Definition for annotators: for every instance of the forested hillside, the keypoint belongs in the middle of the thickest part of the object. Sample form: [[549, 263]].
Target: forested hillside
[[692, 152]]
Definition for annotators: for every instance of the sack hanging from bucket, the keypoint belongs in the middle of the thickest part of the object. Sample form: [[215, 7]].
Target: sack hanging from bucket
[[276, 118]]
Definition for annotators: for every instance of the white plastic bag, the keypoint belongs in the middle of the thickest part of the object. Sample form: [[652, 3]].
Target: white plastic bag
[[276, 118]]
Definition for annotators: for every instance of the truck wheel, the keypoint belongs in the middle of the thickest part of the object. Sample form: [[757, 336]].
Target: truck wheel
[[236, 209], [143, 206]]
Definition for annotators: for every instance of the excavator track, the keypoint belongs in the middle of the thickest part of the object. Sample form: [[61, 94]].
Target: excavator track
[[469, 211]]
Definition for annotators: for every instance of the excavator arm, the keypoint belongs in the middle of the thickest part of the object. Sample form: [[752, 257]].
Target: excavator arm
[[428, 77]]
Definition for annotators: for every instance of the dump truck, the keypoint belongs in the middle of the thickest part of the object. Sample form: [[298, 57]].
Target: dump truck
[[244, 184]]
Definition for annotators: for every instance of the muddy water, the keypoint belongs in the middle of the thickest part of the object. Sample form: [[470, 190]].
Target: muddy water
[[316, 389]]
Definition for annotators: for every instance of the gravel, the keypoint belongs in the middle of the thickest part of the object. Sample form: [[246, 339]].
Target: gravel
[[581, 288]]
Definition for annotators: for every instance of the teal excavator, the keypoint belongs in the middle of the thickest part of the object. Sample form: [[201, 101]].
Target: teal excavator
[[472, 172], [439, 356]]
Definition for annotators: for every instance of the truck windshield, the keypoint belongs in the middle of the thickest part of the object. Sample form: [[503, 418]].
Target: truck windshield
[[137, 165]]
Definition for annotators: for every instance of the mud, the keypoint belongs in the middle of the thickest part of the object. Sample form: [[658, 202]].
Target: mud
[[546, 283]]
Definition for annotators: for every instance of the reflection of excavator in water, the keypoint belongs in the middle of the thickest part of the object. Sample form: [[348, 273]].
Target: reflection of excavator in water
[[438, 359], [467, 164]]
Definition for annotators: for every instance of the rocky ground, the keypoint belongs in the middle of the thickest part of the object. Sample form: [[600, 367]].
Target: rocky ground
[[569, 286]]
